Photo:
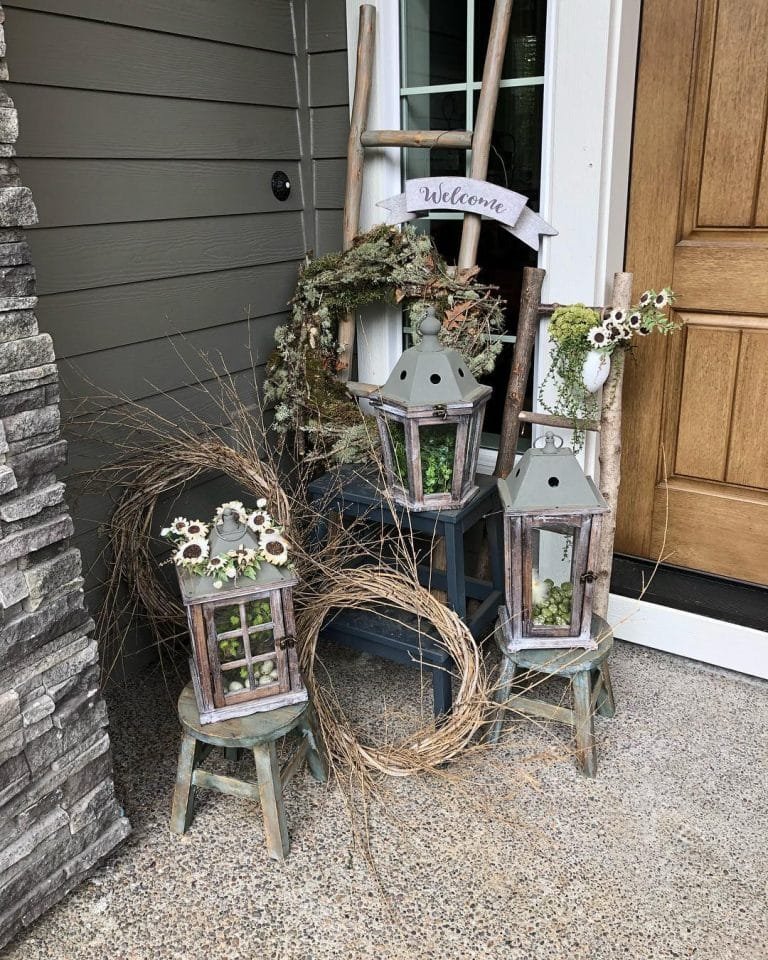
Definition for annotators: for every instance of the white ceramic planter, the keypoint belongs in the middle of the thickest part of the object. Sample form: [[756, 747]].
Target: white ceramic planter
[[597, 366]]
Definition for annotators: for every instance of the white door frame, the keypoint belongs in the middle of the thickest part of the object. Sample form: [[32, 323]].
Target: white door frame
[[589, 84]]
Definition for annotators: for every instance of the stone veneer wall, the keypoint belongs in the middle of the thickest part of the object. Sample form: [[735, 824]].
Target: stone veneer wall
[[58, 813]]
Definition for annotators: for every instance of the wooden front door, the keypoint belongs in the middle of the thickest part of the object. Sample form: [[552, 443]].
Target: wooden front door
[[695, 462]]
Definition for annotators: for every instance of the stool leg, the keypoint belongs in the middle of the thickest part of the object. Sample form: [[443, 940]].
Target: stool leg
[[454, 569], [183, 810], [586, 754], [271, 797], [501, 696], [442, 693], [317, 758], [606, 705]]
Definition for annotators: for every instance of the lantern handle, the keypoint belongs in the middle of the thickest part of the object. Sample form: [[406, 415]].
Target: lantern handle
[[550, 442]]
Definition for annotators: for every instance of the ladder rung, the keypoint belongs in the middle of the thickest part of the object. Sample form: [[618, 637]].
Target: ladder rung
[[548, 420], [448, 139]]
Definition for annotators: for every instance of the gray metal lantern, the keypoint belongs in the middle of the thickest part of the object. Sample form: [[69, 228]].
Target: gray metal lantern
[[552, 519], [430, 416], [243, 634]]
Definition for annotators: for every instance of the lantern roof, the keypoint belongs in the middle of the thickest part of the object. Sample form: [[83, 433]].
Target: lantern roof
[[196, 589], [227, 535], [549, 478], [430, 373]]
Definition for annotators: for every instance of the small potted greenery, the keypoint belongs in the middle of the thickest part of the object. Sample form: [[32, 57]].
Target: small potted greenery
[[583, 340]]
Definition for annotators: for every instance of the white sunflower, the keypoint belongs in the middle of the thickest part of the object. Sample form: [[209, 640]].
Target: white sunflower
[[643, 331], [661, 300], [244, 556], [623, 332], [646, 298], [196, 528], [215, 564], [275, 550], [180, 526], [231, 573], [191, 553], [635, 320], [616, 316], [599, 337], [259, 521]]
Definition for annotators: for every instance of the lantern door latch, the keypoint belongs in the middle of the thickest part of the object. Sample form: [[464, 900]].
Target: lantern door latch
[[589, 577], [287, 643], [440, 410]]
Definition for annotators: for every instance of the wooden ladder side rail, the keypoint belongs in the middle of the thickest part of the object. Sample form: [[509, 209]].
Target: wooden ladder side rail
[[486, 112], [360, 137]]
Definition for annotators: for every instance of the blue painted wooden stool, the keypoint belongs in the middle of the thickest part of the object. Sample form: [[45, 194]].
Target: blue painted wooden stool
[[258, 732], [587, 673], [402, 639]]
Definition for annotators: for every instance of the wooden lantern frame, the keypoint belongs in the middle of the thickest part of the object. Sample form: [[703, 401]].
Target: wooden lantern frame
[[520, 632], [206, 664], [467, 414]]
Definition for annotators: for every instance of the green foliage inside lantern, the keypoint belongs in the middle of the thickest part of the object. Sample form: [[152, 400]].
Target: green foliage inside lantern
[[438, 448], [554, 610]]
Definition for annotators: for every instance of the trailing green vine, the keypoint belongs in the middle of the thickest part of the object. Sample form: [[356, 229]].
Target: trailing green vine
[[576, 330], [385, 265]]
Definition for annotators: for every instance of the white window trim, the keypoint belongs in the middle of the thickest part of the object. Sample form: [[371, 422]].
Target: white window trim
[[589, 82]]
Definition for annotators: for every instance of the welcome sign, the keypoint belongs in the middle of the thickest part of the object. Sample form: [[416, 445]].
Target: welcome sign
[[468, 196]]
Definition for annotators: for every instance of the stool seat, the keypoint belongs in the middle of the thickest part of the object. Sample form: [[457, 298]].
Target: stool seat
[[258, 732], [565, 661], [588, 676], [240, 731]]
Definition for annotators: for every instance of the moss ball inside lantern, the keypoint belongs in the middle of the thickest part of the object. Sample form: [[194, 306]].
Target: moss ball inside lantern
[[243, 631], [552, 519], [430, 416]]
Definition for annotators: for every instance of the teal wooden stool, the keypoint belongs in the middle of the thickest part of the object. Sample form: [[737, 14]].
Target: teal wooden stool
[[585, 670], [258, 732]]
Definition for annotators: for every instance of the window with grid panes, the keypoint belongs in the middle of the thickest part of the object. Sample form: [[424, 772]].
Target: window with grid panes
[[443, 44]]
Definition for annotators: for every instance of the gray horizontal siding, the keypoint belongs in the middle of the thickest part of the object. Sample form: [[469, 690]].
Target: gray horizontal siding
[[150, 130], [142, 311], [78, 258], [67, 52], [263, 24], [328, 84], [138, 371], [153, 189], [330, 178], [326, 25], [61, 122]]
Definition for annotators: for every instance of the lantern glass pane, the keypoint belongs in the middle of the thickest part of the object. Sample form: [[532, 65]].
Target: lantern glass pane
[[396, 433], [552, 551], [438, 448], [229, 634]]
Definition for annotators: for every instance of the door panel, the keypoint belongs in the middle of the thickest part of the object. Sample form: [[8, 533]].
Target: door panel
[[695, 465]]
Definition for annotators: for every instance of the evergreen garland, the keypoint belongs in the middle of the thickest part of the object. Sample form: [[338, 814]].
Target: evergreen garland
[[385, 265]]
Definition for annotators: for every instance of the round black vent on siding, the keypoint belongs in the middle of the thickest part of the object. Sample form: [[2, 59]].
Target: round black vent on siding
[[281, 185]]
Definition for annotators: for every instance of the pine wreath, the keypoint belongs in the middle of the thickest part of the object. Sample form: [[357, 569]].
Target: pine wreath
[[385, 265]]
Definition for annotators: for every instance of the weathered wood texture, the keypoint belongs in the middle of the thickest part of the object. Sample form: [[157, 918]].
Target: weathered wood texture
[[527, 325], [259, 733], [610, 453], [486, 113]]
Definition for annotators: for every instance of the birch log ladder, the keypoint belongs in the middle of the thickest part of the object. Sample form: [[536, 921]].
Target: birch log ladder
[[360, 137]]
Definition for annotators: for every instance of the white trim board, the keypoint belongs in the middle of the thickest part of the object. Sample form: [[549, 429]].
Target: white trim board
[[692, 635]]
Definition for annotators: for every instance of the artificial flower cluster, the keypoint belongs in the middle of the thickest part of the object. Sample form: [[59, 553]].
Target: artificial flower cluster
[[192, 548], [619, 326]]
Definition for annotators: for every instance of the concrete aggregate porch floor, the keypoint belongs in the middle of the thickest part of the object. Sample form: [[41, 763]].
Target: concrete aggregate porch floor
[[509, 855]]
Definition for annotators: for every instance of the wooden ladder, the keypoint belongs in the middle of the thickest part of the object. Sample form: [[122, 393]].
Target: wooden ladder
[[479, 142]]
